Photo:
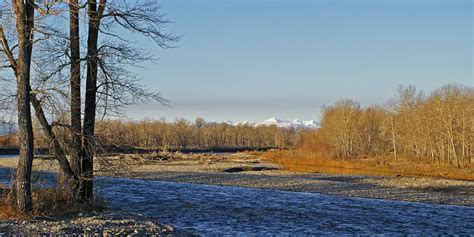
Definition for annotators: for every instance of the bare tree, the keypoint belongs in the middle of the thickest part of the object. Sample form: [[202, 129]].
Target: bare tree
[[108, 82], [437, 128], [181, 134], [24, 18]]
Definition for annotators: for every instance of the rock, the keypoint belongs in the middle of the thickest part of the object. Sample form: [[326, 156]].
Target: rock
[[100, 224], [167, 229]]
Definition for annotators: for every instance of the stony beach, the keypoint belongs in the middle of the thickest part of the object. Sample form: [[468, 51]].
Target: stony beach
[[88, 224]]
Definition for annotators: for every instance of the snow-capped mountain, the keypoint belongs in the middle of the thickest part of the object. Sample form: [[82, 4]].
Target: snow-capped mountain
[[289, 123]]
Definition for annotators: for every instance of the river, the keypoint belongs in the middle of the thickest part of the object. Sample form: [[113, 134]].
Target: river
[[207, 209], [216, 210]]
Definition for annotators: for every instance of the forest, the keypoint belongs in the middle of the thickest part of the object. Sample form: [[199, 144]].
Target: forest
[[411, 129], [438, 127], [181, 134]]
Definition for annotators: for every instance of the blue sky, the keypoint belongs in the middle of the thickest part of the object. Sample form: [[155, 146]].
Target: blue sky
[[255, 59]]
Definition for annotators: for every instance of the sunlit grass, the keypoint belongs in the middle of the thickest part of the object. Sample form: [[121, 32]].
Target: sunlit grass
[[309, 160]]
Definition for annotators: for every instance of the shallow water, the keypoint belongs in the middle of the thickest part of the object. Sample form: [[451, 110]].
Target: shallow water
[[208, 209]]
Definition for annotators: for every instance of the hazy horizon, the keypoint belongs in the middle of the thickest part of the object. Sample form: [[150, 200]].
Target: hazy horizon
[[251, 60]]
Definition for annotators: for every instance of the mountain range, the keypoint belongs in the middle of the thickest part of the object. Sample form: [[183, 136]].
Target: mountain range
[[281, 123]]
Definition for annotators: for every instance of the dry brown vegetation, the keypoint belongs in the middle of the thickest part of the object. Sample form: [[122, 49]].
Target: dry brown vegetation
[[8, 141], [48, 203], [182, 134], [8, 211], [413, 135], [305, 161]]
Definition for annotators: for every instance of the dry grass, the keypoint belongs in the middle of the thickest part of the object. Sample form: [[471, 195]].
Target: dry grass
[[314, 156], [48, 203], [8, 141], [7, 211], [313, 160]]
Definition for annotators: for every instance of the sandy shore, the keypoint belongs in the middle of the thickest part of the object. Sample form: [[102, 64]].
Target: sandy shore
[[247, 170]]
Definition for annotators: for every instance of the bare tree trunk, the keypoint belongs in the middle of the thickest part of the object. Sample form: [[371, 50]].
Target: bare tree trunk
[[75, 82], [394, 141], [57, 151], [24, 23], [87, 163]]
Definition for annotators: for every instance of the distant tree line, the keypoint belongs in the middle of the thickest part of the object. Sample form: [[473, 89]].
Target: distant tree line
[[436, 128], [183, 134], [180, 134]]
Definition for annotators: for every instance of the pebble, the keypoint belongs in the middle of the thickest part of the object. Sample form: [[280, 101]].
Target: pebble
[[101, 224]]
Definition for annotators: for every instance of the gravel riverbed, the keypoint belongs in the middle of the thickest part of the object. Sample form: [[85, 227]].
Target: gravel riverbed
[[88, 224], [394, 188], [224, 170], [269, 176]]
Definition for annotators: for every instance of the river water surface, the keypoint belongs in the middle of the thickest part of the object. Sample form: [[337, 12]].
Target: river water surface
[[207, 209]]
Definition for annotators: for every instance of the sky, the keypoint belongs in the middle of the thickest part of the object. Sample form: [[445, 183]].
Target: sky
[[255, 59]]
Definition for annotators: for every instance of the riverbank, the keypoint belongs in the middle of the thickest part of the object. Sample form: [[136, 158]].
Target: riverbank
[[55, 216], [250, 170], [87, 224]]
